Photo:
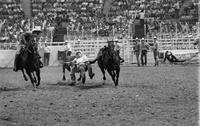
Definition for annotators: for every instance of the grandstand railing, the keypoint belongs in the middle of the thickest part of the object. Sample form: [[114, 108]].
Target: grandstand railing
[[91, 47]]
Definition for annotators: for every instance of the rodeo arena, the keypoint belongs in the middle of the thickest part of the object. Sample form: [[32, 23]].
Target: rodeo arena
[[99, 62]]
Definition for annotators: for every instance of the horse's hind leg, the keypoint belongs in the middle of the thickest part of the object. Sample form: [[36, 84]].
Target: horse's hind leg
[[34, 78], [31, 78], [24, 75], [103, 71], [38, 77], [111, 74], [117, 77]]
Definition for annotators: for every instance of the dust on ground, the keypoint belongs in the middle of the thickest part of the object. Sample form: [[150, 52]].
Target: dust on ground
[[146, 96]]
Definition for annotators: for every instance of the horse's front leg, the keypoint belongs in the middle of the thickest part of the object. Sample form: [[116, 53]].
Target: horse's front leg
[[34, 78], [24, 75], [63, 67], [38, 77]]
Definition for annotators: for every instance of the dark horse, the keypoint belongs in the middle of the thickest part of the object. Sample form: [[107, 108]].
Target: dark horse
[[29, 61], [109, 60]]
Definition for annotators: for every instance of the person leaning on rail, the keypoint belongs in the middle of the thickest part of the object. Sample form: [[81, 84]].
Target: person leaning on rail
[[144, 48], [155, 50], [136, 49]]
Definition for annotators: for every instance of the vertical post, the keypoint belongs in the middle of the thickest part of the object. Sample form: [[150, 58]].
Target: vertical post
[[67, 33], [82, 32], [124, 55], [51, 36], [176, 35], [97, 31], [113, 27], [160, 30]]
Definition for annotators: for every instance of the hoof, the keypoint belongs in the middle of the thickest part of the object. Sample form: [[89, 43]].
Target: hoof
[[92, 76], [37, 84], [104, 82], [72, 83], [34, 80], [79, 79], [34, 89], [63, 78]]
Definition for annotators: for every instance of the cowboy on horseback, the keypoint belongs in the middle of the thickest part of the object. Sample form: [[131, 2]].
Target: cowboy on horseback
[[109, 60], [113, 47], [27, 39]]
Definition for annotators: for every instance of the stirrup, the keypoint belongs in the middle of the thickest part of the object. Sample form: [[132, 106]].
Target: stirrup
[[15, 69], [122, 61], [41, 65]]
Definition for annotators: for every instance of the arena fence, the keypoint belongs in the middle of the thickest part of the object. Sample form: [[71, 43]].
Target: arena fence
[[91, 47]]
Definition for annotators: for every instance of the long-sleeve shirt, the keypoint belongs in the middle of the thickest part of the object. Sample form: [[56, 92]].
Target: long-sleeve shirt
[[136, 48], [81, 60], [144, 46], [155, 46], [47, 49]]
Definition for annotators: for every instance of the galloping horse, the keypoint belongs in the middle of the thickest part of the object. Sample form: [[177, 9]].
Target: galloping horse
[[29, 61], [109, 60]]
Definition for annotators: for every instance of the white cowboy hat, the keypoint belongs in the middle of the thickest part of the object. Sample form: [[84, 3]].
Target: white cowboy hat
[[36, 30], [79, 52]]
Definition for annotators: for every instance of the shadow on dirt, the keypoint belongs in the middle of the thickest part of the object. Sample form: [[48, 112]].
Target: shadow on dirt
[[141, 86], [80, 86], [6, 89], [60, 83], [90, 86]]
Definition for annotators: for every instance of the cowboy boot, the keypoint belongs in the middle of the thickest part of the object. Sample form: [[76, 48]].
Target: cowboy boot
[[73, 78], [41, 64]]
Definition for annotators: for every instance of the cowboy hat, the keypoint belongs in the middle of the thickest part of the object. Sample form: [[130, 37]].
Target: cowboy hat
[[37, 31]]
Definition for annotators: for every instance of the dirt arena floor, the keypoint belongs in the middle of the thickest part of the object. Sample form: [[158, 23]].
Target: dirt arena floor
[[146, 96]]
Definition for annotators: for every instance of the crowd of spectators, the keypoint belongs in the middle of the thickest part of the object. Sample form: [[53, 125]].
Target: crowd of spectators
[[87, 17], [11, 16]]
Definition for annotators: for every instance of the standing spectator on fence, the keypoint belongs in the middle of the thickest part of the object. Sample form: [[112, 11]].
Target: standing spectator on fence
[[136, 49], [68, 46], [144, 49], [47, 51], [155, 50], [117, 49]]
